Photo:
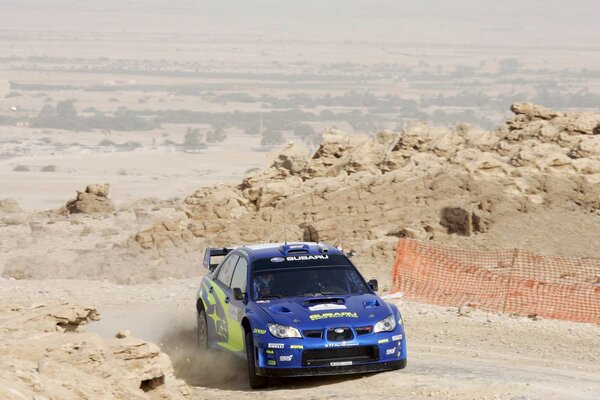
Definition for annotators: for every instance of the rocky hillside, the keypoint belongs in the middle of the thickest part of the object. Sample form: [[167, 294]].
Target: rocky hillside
[[532, 183]]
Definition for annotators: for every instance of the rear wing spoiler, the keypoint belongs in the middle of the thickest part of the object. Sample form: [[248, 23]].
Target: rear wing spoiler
[[212, 252]]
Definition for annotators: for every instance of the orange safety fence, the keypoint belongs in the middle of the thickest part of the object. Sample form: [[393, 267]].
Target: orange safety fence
[[510, 281]]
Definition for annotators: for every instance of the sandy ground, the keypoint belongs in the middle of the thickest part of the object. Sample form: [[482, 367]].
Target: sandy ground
[[452, 355], [159, 173]]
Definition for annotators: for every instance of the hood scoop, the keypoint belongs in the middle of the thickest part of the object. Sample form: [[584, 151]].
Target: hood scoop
[[324, 300], [371, 303], [325, 304], [279, 310]]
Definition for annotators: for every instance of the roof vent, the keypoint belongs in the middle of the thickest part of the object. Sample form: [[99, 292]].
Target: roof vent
[[287, 249]]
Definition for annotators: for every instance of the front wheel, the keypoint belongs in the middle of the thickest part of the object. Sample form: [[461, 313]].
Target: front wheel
[[202, 330], [255, 381]]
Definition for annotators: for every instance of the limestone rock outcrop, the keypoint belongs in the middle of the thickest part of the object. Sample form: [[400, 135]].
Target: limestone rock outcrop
[[93, 200], [46, 354]]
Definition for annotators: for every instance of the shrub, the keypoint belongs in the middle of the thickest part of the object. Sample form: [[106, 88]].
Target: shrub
[[49, 168], [106, 142], [21, 168]]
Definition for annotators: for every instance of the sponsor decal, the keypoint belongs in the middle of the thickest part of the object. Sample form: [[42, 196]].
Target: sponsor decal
[[257, 331], [263, 301], [307, 258], [383, 341], [276, 345], [277, 259], [341, 344], [397, 337], [390, 351], [296, 346], [286, 358], [326, 307], [235, 313], [271, 362], [340, 363], [344, 314], [270, 352]]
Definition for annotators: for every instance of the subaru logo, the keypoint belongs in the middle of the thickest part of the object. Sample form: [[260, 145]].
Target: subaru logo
[[277, 259], [339, 330]]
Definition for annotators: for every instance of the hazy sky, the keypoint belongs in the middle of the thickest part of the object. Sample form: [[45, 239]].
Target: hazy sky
[[474, 22]]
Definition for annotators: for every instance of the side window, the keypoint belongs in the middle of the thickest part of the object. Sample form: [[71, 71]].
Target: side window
[[239, 276], [226, 270]]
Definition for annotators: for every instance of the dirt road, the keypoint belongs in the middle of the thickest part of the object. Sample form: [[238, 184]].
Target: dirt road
[[452, 355]]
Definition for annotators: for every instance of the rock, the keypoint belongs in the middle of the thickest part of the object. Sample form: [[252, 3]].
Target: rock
[[14, 219], [122, 334], [9, 206], [586, 123], [460, 221], [49, 356], [533, 111], [334, 145], [447, 145], [100, 190], [93, 200], [477, 137], [272, 192], [309, 233], [292, 158], [587, 147], [221, 201]]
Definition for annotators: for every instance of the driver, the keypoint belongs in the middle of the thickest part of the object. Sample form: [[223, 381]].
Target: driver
[[263, 284], [313, 282]]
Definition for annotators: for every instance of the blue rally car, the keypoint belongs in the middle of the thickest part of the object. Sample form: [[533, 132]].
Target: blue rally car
[[296, 309]]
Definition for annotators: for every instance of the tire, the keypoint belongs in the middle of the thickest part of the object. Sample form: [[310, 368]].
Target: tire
[[202, 330], [255, 381]]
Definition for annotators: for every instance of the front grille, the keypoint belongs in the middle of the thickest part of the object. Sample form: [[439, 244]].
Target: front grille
[[313, 334], [320, 357], [343, 334], [363, 330]]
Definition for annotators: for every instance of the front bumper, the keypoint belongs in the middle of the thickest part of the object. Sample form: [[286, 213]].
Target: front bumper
[[305, 357], [344, 370]]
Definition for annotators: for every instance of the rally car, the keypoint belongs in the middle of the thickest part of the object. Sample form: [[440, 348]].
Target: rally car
[[296, 309]]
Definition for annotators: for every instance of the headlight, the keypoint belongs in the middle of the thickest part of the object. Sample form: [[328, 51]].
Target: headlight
[[283, 331], [385, 325]]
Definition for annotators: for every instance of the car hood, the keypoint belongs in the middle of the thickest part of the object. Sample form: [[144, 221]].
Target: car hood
[[317, 312]]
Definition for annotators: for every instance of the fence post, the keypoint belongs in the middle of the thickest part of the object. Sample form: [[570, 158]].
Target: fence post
[[509, 279]]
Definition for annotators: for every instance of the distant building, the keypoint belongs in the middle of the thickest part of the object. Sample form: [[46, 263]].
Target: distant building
[[4, 89]]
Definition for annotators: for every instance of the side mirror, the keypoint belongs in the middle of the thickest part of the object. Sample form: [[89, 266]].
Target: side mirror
[[237, 293], [374, 285]]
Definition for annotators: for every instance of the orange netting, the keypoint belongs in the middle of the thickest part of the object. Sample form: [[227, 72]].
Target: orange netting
[[512, 281]]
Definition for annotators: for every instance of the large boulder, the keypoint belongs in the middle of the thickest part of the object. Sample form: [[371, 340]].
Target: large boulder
[[533, 111], [93, 200], [45, 354], [292, 158]]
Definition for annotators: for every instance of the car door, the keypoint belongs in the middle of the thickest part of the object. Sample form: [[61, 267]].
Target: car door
[[236, 307], [217, 314]]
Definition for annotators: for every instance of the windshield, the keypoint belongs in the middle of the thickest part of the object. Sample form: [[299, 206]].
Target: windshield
[[307, 282]]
